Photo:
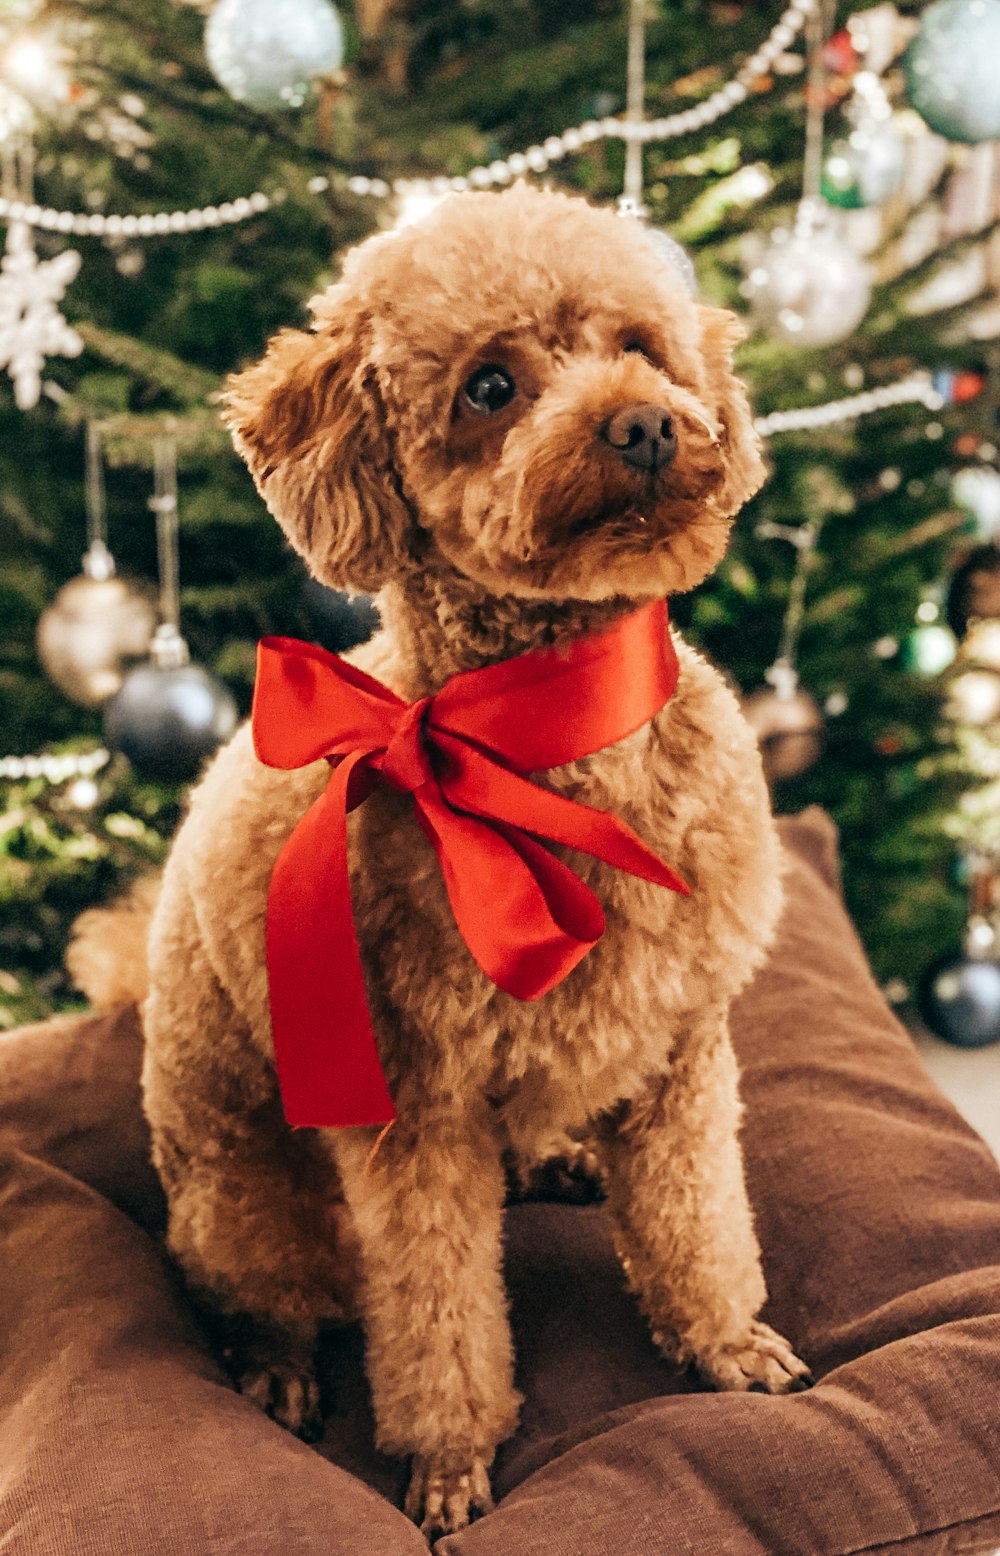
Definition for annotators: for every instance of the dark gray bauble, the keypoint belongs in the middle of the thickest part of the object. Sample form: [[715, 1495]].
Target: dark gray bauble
[[340, 621], [168, 721], [959, 998]]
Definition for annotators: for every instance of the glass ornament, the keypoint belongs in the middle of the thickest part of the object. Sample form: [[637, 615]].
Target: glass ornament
[[976, 490], [340, 621], [959, 999], [929, 649], [675, 255], [789, 726], [974, 697], [951, 69], [866, 168], [808, 287], [94, 630], [168, 718], [265, 54]]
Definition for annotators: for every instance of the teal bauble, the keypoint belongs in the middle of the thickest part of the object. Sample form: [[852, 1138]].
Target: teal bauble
[[929, 649], [266, 54], [866, 168], [952, 69]]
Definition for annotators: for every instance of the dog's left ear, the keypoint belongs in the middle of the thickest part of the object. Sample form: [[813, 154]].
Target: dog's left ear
[[310, 424], [721, 332]]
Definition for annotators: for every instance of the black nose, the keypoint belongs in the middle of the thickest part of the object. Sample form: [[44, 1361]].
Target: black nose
[[642, 436]]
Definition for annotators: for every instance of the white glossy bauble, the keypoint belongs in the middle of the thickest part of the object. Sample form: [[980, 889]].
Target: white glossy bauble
[[809, 288], [266, 54]]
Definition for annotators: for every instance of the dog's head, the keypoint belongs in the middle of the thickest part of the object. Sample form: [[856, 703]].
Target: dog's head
[[519, 385]]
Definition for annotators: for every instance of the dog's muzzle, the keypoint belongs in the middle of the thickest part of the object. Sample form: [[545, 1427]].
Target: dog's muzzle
[[642, 436]]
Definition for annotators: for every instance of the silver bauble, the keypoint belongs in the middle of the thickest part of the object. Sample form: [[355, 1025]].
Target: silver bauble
[[91, 634], [676, 256], [976, 490], [952, 69], [168, 719], [809, 288], [266, 54]]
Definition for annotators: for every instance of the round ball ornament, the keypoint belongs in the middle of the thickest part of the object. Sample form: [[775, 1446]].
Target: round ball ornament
[[976, 490], [169, 715], [959, 999], [676, 256], [809, 288], [951, 71], [93, 631], [789, 726], [339, 620], [929, 649], [265, 54], [866, 168]]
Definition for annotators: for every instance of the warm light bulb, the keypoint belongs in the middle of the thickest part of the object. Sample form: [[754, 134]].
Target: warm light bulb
[[416, 203]]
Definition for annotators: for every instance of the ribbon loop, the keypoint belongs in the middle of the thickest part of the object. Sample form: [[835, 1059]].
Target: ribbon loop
[[525, 916]]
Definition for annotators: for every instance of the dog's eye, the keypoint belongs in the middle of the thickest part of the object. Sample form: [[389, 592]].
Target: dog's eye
[[490, 388]]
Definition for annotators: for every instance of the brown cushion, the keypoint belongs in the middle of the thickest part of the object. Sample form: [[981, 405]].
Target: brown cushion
[[879, 1213]]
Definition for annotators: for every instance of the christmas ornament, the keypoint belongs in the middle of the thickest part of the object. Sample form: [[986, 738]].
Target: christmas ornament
[[98, 623], [959, 999], [951, 69], [94, 629], [31, 326], [789, 726], [975, 588], [169, 714], [958, 388], [976, 490], [266, 54], [808, 287], [929, 648], [974, 697], [676, 256], [866, 168], [982, 643], [340, 621]]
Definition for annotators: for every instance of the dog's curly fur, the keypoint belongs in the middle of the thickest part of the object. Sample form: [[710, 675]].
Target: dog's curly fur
[[488, 535]]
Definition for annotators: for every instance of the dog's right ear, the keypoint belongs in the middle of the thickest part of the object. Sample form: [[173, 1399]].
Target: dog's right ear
[[310, 424]]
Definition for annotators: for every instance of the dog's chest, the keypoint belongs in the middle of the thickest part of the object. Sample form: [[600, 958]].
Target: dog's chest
[[696, 798]]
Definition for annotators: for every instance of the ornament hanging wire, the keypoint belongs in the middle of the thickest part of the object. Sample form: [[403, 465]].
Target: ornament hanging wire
[[98, 563], [168, 650]]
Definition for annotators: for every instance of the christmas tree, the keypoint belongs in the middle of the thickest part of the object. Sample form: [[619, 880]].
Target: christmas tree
[[835, 584]]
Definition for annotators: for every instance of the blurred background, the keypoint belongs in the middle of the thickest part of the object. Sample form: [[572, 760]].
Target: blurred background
[[178, 178]]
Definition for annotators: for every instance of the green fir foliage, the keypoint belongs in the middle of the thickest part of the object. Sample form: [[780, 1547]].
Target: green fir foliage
[[446, 84]]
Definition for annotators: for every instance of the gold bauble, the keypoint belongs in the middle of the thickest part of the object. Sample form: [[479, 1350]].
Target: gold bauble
[[92, 633], [789, 730], [981, 644]]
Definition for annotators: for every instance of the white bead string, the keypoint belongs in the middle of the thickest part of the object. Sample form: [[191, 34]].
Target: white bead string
[[96, 224], [535, 159], [916, 389], [55, 769]]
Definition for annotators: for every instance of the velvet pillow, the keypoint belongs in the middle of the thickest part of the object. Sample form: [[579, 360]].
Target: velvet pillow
[[879, 1215]]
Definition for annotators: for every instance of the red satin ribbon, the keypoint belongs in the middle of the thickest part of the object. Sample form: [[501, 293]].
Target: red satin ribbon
[[524, 915]]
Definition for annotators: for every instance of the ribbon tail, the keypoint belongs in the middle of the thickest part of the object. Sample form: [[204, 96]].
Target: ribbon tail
[[524, 915], [475, 783], [325, 1054]]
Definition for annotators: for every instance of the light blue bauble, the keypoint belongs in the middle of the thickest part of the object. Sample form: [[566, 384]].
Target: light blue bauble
[[952, 69], [677, 257], [264, 52]]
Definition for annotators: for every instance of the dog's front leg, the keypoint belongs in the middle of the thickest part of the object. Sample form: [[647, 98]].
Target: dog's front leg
[[428, 1208], [683, 1223]]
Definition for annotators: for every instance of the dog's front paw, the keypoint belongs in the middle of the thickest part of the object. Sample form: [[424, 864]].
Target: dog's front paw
[[443, 1496], [761, 1363], [287, 1392]]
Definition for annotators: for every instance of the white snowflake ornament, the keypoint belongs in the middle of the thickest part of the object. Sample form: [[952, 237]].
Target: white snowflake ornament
[[31, 326]]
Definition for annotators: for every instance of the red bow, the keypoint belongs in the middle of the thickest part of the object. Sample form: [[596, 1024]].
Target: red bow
[[461, 754]]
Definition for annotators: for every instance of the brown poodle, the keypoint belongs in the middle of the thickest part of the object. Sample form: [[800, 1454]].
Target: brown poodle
[[513, 422]]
